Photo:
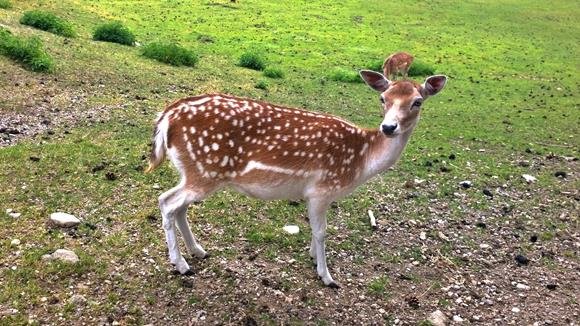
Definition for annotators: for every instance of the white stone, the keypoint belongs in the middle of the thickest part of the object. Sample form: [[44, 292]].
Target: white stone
[[63, 255], [423, 236], [156, 186], [457, 319], [484, 246], [529, 178], [64, 219], [438, 318], [291, 229], [521, 286], [515, 309], [15, 242]]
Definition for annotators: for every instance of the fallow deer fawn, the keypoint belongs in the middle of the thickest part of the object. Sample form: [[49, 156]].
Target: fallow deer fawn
[[274, 152], [397, 63]]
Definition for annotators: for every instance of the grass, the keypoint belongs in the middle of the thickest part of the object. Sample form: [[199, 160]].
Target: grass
[[345, 76], [47, 21], [252, 60], [5, 4], [510, 85], [114, 32], [262, 84], [273, 72], [28, 52], [170, 53]]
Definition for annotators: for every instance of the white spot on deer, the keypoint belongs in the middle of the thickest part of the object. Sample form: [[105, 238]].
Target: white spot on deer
[[204, 133], [255, 165], [192, 130], [219, 136], [364, 148], [213, 174], [215, 146], [199, 167], [224, 161], [206, 149], [200, 141], [231, 143]]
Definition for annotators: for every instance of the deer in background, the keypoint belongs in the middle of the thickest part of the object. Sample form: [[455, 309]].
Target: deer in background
[[397, 63], [272, 152]]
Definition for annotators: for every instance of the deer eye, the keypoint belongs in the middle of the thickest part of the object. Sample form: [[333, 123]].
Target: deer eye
[[417, 104]]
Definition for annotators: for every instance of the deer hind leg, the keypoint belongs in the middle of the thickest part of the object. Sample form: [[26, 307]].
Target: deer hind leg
[[173, 205], [193, 247], [317, 216]]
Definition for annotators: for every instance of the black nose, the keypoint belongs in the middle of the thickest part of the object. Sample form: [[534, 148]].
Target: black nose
[[389, 129]]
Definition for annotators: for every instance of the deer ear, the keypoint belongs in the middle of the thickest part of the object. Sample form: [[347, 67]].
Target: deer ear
[[433, 85], [375, 80]]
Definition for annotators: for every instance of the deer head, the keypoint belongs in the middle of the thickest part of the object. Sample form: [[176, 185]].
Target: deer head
[[401, 100]]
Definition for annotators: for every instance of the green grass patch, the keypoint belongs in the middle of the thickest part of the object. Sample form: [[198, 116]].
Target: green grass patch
[[252, 60], [274, 72], [47, 21], [29, 52], [5, 4], [262, 84], [114, 32], [379, 286], [345, 75], [421, 68], [171, 54]]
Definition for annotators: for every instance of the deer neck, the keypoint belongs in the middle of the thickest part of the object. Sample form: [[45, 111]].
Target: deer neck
[[383, 152]]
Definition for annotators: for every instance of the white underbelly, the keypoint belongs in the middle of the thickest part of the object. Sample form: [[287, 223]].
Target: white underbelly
[[294, 190]]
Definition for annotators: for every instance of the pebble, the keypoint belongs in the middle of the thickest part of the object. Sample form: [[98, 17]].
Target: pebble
[[291, 229], [63, 255], [529, 178], [484, 246], [457, 319], [15, 242], [521, 286], [64, 219], [156, 186], [12, 213], [78, 299], [522, 260], [423, 236], [465, 184], [438, 318], [515, 309], [487, 192]]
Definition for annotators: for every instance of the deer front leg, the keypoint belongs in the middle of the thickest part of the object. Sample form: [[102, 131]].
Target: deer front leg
[[170, 203], [317, 215]]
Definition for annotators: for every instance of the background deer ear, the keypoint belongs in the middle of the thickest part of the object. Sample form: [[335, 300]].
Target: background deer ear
[[375, 80], [433, 85]]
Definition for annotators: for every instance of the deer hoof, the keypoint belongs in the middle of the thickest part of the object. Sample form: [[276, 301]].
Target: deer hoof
[[333, 285]]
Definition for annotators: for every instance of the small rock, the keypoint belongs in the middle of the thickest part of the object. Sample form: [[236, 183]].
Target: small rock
[[438, 318], [465, 184], [442, 236], [534, 238], [63, 255], [111, 176], [156, 186], [529, 178], [15, 242], [423, 236], [78, 300], [560, 174], [64, 219], [291, 229], [487, 192], [457, 319], [515, 310], [484, 246], [521, 286], [522, 260], [15, 215], [551, 286]]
